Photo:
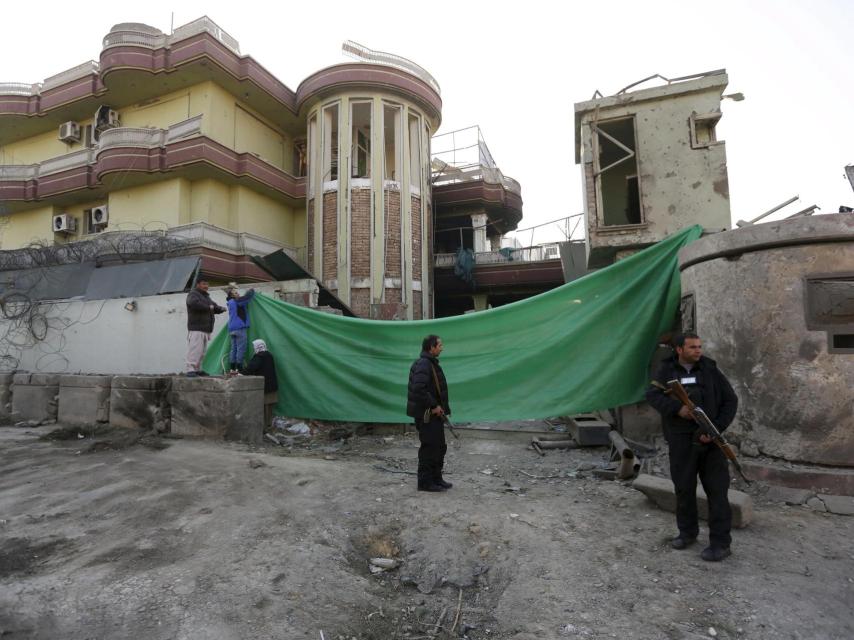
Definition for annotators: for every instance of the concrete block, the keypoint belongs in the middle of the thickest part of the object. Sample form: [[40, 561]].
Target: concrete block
[[34, 396], [842, 505], [661, 492], [84, 399], [6, 393], [140, 402], [816, 505], [588, 430], [217, 408], [789, 495]]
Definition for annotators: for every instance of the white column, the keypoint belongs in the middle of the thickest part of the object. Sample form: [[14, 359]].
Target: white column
[[478, 223]]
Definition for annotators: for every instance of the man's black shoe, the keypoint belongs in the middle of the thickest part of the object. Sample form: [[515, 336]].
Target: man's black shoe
[[715, 554], [682, 542], [443, 484], [430, 487], [192, 374], [202, 373]]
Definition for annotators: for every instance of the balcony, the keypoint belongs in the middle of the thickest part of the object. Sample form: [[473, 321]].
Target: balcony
[[538, 253], [149, 138], [141, 35], [118, 137], [75, 73], [206, 235], [462, 156]]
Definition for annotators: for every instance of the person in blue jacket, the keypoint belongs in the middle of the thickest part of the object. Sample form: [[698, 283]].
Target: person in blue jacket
[[238, 325]]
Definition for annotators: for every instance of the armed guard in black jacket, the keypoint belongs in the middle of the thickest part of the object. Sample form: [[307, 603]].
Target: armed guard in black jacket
[[691, 452], [200, 323], [427, 403]]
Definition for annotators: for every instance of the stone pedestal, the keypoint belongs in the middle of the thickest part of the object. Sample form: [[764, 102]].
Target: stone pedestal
[[35, 395], [84, 400], [218, 408], [140, 402]]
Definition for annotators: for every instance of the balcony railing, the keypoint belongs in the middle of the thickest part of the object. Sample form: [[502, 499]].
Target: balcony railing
[[145, 36], [536, 253], [19, 89], [24, 89], [148, 138], [362, 53], [80, 71], [462, 156], [207, 235], [67, 161]]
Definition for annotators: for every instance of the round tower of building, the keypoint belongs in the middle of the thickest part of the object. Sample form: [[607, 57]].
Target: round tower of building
[[369, 209]]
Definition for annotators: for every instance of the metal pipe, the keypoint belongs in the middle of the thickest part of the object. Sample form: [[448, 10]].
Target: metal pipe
[[629, 465], [742, 223]]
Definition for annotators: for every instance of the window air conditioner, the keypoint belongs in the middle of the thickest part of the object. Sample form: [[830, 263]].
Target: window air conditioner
[[69, 132], [100, 216], [64, 223]]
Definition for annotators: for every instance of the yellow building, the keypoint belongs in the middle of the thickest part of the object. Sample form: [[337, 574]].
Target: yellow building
[[184, 135]]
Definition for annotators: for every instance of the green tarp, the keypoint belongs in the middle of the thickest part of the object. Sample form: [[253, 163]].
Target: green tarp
[[581, 347]]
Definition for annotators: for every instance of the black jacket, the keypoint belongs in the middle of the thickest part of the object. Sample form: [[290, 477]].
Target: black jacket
[[262, 364], [713, 393], [200, 316], [422, 393]]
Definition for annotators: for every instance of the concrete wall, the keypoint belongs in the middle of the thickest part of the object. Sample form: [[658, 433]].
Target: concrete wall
[[23, 227], [101, 336], [152, 206], [796, 400], [679, 185]]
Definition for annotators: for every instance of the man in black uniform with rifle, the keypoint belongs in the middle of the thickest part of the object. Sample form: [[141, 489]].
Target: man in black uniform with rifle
[[692, 451], [427, 402]]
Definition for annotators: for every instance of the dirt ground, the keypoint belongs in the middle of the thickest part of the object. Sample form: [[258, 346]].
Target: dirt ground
[[215, 541]]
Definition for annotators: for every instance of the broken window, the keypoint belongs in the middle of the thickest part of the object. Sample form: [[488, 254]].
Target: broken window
[[360, 151], [414, 151], [688, 313], [300, 158], [391, 126], [330, 143], [616, 172], [95, 219], [703, 129]]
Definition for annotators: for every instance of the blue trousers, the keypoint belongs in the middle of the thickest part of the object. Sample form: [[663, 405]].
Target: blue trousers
[[238, 346]]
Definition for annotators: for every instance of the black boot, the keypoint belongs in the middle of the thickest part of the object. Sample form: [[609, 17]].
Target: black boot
[[440, 481], [434, 488]]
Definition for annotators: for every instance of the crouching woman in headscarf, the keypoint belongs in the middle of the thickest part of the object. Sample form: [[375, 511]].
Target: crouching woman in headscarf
[[262, 364]]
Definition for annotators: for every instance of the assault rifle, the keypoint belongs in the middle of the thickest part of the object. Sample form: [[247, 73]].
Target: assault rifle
[[675, 388], [428, 415]]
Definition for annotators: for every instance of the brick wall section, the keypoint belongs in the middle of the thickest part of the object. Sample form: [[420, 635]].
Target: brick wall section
[[392, 240], [309, 247], [360, 302], [360, 233], [416, 305], [330, 235], [392, 295], [416, 237]]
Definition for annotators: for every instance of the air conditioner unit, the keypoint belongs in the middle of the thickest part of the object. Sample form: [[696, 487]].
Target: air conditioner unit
[[64, 223], [100, 216], [69, 132]]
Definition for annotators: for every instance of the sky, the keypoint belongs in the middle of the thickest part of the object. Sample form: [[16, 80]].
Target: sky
[[517, 68]]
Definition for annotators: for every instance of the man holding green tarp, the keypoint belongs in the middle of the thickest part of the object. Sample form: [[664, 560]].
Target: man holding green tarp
[[427, 402]]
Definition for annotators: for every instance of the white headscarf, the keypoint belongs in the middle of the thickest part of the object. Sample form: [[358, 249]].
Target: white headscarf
[[259, 346]]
